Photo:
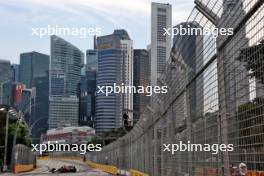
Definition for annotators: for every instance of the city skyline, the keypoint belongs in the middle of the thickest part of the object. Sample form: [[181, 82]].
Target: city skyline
[[190, 101], [85, 14]]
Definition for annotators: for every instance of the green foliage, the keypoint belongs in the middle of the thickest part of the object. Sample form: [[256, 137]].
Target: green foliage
[[21, 138], [22, 133]]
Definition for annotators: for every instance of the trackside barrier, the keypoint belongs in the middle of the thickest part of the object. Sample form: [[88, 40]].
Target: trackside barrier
[[137, 173], [43, 157], [25, 159], [18, 168], [255, 173], [105, 168], [69, 158]]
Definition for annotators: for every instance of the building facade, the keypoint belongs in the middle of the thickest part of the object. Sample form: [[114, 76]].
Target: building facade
[[32, 65], [28, 100], [161, 17], [4, 77], [87, 91], [141, 78], [115, 65], [34, 72], [65, 66], [69, 135], [57, 83], [69, 59], [192, 59], [15, 72], [92, 59], [63, 111]]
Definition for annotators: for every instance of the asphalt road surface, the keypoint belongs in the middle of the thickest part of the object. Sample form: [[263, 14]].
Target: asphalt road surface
[[43, 167]]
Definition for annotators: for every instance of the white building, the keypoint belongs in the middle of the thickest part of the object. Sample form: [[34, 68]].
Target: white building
[[127, 48], [69, 135], [161, 17]]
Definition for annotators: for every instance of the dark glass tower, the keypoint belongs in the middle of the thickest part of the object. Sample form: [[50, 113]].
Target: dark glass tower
[[33, 72], [87, 98], [4, 77]]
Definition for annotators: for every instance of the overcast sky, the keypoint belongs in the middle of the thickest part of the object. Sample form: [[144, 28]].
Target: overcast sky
[[18, 17]]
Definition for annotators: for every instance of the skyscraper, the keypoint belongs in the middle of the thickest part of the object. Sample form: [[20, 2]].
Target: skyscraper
[[161, 17], [4, 76], [34, 72], [92, 59], [115, 65], [15, 72], [141, 78], [57, 83], [193, 60], [28, 99], [69, 59], [33, 65], [65, 66], [87, 92]]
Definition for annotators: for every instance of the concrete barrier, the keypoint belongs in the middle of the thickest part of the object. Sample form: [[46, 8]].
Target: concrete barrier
[[137, 173], [105, 168], [18, 168]]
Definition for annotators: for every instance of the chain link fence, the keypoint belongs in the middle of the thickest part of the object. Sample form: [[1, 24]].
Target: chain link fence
[[215, 96]]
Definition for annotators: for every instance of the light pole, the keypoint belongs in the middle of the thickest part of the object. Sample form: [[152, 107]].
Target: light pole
[[14, 138], [6, 140], [12, 111]]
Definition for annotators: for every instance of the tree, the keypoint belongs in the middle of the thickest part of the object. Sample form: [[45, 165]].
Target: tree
[[21, 138]]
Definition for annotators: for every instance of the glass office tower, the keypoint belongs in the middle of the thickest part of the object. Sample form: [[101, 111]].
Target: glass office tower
[[115, 65]]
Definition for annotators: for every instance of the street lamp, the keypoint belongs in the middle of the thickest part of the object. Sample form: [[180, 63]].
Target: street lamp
[[6, 140], [8, 110]]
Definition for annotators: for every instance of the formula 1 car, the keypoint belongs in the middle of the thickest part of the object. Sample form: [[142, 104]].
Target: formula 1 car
[[64, 169]]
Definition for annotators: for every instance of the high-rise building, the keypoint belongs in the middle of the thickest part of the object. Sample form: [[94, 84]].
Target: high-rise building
[[7, 93], [57, 83], [193, 61], [12, 93], [28, 100], [141, 78], [34, 72], [161, 17], [15, 72], [115, 65], [69, 59], [63, 111], [87, 92], [42, 104], [65, 65], [4, 76], [92, 59], [33, 65]]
